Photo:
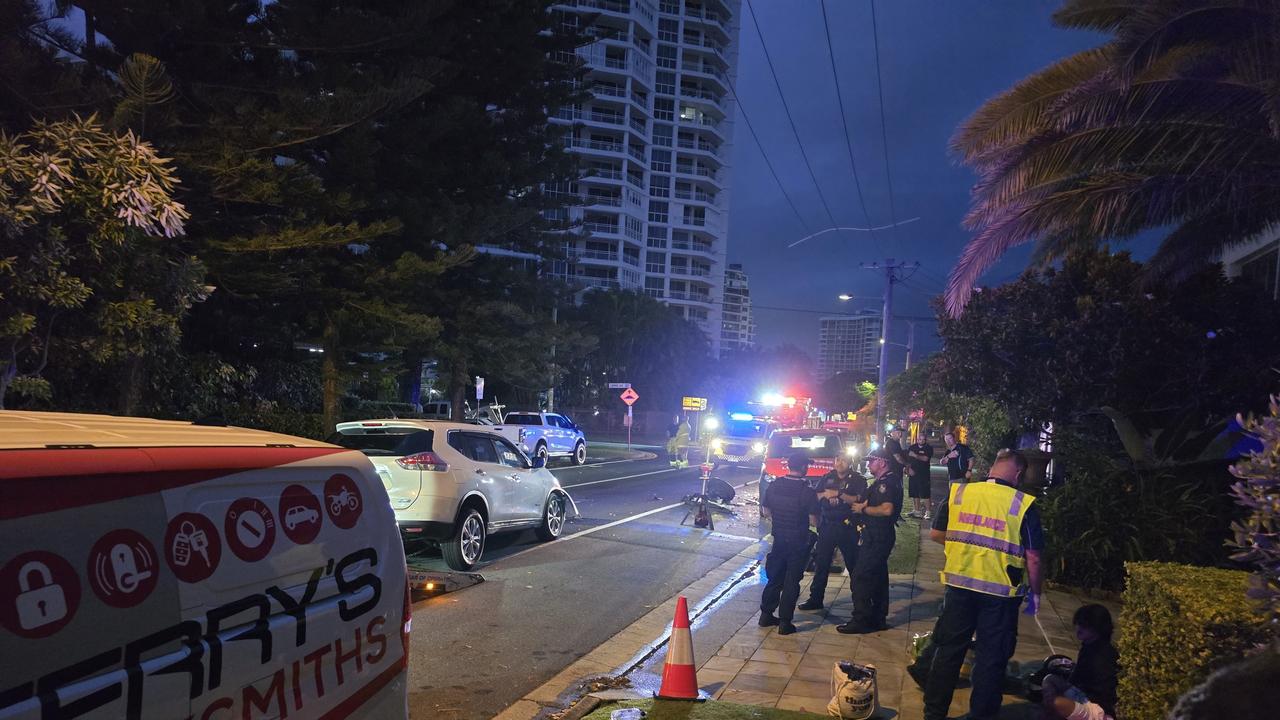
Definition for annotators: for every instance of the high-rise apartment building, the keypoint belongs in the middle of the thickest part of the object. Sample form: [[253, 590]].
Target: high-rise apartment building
[[655, 141], [849, 343], [738, 330]]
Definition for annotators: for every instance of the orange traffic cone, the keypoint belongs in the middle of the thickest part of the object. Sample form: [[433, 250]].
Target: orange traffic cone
[[679, 678]]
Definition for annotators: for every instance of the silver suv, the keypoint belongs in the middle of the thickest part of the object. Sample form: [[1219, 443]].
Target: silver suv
[[454, 484]]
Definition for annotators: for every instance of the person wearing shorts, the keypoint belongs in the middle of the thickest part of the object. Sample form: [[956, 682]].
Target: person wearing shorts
[[919, 485]]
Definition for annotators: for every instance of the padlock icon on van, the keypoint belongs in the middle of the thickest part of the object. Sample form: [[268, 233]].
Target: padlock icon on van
[[40, 600]]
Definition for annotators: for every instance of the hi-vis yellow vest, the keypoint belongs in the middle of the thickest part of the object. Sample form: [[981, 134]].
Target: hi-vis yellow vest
[[984, 538]]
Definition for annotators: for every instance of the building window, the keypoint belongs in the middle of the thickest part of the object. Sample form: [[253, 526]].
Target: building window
[[662, 135], [632, 227], [655, 263], [657, 236], [669, 30], [660, 161], [665, 83], [660, 186], [664, 109], [657, 211], [670, 7], [667, 57]]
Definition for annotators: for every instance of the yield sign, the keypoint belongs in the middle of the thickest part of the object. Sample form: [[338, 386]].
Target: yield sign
[[629, 396]]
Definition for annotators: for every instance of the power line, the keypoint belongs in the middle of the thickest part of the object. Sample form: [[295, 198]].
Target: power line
[[742, 109], [844, 125], [884, 133], [769, 60]]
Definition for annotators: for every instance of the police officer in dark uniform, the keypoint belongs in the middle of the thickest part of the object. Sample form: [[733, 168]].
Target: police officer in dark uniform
[[880, 512], [838, 528], [793, 508]]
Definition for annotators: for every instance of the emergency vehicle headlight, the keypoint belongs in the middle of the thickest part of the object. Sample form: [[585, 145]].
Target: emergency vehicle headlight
[[717, 445], [851, 451], [757, 447]]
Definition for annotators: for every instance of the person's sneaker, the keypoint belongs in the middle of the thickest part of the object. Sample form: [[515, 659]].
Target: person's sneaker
[[809, 605], [786, 628], [927, 516], [768, 620]]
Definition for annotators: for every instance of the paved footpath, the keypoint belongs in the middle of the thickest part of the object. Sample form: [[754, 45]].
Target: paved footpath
[[744, 663]]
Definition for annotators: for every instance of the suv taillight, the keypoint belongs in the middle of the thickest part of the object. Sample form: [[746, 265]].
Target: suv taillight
[[428, 461]]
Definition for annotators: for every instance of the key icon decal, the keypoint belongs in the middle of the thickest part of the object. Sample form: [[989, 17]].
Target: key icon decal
[[192, 547]]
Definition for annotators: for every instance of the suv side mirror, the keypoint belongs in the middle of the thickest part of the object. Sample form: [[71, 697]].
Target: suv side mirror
[[538, 462]]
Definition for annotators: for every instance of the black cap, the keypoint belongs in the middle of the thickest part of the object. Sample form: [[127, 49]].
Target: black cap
[[880, 453], [798, 462]]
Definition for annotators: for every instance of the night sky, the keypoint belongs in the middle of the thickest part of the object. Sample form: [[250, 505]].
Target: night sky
[[940, 60]]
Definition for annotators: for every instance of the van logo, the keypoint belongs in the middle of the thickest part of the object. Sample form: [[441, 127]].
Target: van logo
[[192, 547], [123, 568]]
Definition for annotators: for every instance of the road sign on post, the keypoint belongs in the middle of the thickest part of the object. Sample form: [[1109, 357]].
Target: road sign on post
[[479, 388], [696, 404], [619, 386], [629, 396]]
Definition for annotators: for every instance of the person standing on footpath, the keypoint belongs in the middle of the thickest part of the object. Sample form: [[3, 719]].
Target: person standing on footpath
[[897, 456], [959, 460], [792, 508], [992, 537], [879, 512], [838, 529], [919, 482]]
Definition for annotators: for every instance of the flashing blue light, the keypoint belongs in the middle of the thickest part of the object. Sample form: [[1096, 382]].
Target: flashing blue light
[[741, 416]]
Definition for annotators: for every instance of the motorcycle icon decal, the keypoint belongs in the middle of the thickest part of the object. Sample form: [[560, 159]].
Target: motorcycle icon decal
[[342, 501], [123, 568]]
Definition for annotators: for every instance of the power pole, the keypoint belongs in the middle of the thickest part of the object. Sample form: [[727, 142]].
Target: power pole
[[892, 273], [911, 341]]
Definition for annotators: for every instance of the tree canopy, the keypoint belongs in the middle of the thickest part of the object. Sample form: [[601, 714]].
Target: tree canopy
[[1171, 126]]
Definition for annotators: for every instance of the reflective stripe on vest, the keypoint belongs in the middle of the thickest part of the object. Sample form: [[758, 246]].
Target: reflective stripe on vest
[[984, 537]]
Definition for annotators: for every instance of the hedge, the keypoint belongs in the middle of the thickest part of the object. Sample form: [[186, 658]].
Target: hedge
[[1179, 624]]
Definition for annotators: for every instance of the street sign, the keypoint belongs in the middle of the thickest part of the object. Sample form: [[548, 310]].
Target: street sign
[[619, 386], [479, 388], [695, 403], [629, 396]]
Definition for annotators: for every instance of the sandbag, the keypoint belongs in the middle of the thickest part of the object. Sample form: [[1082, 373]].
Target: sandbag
[[854, 695]]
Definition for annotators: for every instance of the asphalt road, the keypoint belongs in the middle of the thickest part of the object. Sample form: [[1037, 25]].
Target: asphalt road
[[542, 606]]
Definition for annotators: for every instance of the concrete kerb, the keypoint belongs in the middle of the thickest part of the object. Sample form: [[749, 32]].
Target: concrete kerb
[[629, 648]]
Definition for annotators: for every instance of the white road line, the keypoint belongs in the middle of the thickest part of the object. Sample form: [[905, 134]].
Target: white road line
[[624, 477]]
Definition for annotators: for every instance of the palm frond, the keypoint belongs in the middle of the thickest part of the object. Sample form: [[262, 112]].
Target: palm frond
[[1098, 15], [1019, 112]]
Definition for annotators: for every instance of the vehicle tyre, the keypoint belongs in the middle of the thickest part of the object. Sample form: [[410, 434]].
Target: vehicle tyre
[[541, 451], [580, 453], [464, 550], [553, 516]]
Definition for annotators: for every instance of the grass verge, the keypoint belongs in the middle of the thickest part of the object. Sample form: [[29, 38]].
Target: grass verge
[[906, 548], [711, 710]]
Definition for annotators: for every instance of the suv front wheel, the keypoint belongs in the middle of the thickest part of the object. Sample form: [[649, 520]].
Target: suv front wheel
[[553, 518], [464, 549], [580, 453]]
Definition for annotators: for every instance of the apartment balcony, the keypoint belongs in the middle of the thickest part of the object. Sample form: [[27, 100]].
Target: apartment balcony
[[616, 7], [707, 72], [709, 19], [601, 228], [637, 153], [695, 195], [598, 145], [701, 148], [692, 297], [606, 283], [690, 271], [605, 255], [703, 97], [698, 171], [599, 200], [604, 118], [703, 122], [607, 176], [693, 246]]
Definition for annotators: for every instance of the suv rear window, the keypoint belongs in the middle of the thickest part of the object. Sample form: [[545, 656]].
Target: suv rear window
[[820, 445], [385, 442], [515, 419]]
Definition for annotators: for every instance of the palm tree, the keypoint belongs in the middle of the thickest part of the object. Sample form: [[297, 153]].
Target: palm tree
[[1173, 125]]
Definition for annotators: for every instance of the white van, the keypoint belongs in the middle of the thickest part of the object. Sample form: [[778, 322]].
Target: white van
[[156, 569]]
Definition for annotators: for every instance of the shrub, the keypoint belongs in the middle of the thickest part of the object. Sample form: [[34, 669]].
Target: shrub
[[1179, 624], [1259, 492], [1111, 511]]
